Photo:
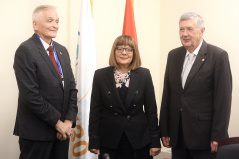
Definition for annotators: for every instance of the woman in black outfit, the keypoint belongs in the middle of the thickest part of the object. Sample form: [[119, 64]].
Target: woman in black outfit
[[123, 114]]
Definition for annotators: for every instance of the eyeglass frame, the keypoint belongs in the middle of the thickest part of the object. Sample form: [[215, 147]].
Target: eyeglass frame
[[127, 50]]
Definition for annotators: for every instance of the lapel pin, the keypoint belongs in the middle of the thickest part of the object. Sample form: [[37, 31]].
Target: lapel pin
[[108, 93], [136, 92], [60, 53], [203, 59]]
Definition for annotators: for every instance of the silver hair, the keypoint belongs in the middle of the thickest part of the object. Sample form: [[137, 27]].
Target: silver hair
[[41, 8], [190, 15]]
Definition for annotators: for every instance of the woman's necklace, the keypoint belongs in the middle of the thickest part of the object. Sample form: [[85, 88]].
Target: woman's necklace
[[121, 78]]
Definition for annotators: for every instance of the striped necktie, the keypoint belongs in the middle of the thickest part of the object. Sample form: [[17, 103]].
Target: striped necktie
[[187, 68]]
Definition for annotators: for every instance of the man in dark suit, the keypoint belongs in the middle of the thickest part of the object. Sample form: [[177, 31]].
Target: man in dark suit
[[47, 106], [196, 100]]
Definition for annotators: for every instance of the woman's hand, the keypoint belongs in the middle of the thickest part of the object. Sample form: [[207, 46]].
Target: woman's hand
[[154, 151], [166, 141], [95, 151]]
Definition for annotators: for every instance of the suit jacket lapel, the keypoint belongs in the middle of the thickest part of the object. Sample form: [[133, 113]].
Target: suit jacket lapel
[[44, 55], [199, 61], [112, 87], [179, 69], [133, 85]]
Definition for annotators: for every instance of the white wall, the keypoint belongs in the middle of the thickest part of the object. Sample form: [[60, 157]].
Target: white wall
[[157, 29]]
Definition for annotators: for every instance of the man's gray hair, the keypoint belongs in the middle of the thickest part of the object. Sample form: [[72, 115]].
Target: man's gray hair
[[41, 8], [190, 15]]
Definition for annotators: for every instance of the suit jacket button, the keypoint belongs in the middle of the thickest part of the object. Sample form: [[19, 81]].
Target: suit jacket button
[[115, 114], [128, 117], [134, 105], [136, 92], [111, 106]]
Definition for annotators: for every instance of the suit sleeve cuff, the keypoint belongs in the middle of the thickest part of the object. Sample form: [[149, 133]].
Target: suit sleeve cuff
[[94, 143], [155, 143]]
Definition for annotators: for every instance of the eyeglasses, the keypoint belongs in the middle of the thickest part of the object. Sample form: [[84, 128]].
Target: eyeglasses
[[121, 49]]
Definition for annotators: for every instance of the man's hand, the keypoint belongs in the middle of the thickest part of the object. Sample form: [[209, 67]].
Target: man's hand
[[64, 129], [95, 151], [154, 151], [69, 125], [166, 141], [59, 136], [214, 146]]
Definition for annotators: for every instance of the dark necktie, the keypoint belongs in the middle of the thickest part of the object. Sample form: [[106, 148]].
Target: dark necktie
[[51, 55]]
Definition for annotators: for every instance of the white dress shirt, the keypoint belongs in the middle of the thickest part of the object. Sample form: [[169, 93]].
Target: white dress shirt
[[188, 63]]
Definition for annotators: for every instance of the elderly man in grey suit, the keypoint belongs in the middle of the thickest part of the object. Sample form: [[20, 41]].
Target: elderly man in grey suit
[[196, 100], [47, 106]]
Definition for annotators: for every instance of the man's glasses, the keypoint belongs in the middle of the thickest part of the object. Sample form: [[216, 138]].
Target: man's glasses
[[121, 49]]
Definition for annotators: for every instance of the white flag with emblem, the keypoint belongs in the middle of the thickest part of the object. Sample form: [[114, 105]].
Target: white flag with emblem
[[84, 72]]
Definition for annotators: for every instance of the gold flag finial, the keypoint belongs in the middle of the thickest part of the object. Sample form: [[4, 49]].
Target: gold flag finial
[[132, 2], [91, 3]]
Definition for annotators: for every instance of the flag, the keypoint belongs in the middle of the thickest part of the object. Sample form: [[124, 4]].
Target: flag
[[129, 23], [84, 72]]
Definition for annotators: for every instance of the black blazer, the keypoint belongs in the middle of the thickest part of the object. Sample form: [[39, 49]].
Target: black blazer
[[109, 118], [205, 101], [42, 99]]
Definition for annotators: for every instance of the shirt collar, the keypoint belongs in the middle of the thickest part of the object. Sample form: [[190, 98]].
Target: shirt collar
[[195, 52], [45, 44]]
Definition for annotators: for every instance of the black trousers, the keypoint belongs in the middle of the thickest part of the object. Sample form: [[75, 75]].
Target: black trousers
[[31, 149], [182, 152], [125, 151]]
